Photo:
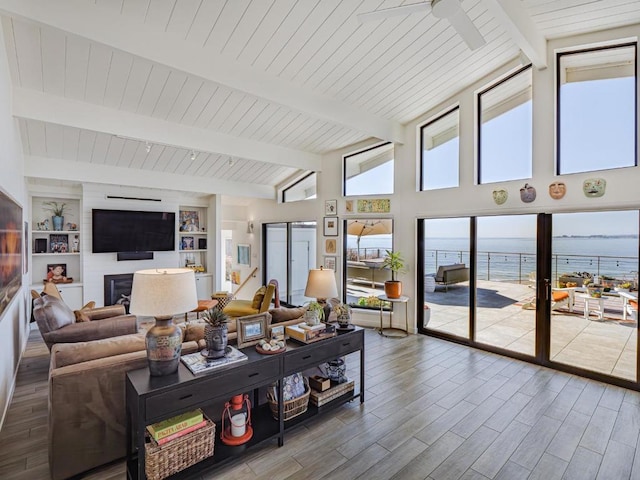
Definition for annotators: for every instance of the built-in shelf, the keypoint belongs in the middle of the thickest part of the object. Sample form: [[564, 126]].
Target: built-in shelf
[[54, 254]]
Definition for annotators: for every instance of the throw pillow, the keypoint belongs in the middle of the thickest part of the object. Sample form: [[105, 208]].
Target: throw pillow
[[51, 313], [284, 314], [81, 315], [258, 297]]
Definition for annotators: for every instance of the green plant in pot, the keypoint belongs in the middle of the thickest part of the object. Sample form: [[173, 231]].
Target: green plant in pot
[[343, 313], [215, 333], [314, 314], [394, 262], [57, 213]]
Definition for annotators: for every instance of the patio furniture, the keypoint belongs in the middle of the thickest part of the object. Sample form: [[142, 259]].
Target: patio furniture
[[450, 274], [629, 305], [561, 297], [589, 304]]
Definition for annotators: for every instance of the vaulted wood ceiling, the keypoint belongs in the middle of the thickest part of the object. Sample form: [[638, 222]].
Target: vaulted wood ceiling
[[237, 96]]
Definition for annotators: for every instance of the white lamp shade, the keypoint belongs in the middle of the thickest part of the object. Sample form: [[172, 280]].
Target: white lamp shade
[[321, 284], [163, 291]]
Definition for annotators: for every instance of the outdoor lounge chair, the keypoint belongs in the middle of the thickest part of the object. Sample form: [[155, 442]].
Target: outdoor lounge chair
[[562, 297]]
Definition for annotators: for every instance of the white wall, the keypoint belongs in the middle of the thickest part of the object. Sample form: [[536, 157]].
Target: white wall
[[408, 204], [14, 323]]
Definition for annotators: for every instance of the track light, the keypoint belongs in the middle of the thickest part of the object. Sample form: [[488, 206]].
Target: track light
[[250, 227], [231, 162], [193, 155], [147, 146]]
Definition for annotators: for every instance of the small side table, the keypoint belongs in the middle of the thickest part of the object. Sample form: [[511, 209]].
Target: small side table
[[589, 302], [203, 305], [390, 331]]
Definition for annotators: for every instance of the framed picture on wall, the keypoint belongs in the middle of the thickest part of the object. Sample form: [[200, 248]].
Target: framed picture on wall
[[244, 254], [330, 263], [330, 227], [331, 207], [330, 246]]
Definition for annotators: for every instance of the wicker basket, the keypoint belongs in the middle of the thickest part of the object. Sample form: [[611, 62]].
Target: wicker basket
[[165, 460], [223, 299], [291, 408]]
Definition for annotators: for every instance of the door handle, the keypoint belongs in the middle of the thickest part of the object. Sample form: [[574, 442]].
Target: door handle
[[547, 289]]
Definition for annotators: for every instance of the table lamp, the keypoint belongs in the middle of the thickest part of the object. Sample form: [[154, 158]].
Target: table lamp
[[321, 284], [163, 293]]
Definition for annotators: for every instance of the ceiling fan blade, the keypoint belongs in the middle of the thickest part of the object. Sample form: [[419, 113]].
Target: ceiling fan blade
[[466, 29], [394, 11]]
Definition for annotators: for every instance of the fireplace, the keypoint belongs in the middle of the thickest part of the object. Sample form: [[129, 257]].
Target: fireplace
[[117, 289]]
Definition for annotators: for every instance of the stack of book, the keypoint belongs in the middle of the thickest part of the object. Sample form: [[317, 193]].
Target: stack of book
[[175, 427], [310, 333]]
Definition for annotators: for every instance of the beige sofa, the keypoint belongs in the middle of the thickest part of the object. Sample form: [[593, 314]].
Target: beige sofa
[[87, 422]]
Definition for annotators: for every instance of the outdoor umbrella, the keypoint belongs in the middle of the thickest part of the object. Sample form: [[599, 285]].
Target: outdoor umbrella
[[360, 228]]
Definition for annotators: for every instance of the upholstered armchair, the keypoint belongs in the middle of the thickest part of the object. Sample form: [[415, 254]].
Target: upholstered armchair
[[259, 304], [59, 324]]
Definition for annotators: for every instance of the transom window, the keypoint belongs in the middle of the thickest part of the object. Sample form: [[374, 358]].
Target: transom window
[[303, 189], [370, 171], [505, 132], [596, 109], [440, 147]]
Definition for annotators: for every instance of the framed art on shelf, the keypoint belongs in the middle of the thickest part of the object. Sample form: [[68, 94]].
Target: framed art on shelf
[[330, 227], [330, 207], [59, 243], [251, 329], [187, 243], [330, 263]]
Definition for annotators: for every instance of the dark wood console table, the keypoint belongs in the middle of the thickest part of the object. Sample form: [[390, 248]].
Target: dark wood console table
[[151, 399]]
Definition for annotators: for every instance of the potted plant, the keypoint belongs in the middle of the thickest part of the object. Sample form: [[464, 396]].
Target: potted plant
[[394, 262], [314, 314], [623, 287], [57, 213], [215, 333]]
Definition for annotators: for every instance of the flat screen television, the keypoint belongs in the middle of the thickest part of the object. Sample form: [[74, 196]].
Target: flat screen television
[[133, 231]]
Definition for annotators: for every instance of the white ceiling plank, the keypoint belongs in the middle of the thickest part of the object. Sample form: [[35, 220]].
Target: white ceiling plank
[[136, 9], [242, 126], [98, 73], [139, 155], [54, 135], [48, 108], [185, 98], [230, 16], [162, 162], [121, 65], [70, 141], [37, 138], [200, 101], [523, 30], [53, 47], [218, 122], [207, 14], [169, 95], [10, 45], [115, 5], [247, 27], [159, 13], [183, 16], [270, 114], [202, 112], [239, 113], [155, 84], [100, 148], [27, 38], [85, 145], [114, 152], [77, 63], [122, 32], [128, 152], [150, 157], [138, 77], [42, 167], [24, 136]]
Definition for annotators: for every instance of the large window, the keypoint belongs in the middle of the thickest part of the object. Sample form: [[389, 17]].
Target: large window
[[369, 172], [290, 252], [505, 132], [596, 109], [440, 148], [303, 189]]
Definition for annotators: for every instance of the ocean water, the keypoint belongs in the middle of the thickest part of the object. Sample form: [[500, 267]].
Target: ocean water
[[512, 259]]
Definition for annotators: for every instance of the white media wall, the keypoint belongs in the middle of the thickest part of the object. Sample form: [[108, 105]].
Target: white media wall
[[97, 265]]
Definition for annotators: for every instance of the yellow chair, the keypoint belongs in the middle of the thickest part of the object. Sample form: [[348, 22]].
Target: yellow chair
[[260, 303]]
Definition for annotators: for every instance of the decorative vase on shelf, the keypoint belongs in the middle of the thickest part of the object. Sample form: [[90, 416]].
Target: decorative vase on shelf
[[58, 222]]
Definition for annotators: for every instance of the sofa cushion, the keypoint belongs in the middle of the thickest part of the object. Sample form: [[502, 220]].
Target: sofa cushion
[[240, 308], [51, 313], [258, 297], [284, 314], [64, 354], [81, 315]]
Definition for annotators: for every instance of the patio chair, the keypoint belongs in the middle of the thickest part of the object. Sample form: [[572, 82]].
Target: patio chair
[[562, 297], [629, 306]]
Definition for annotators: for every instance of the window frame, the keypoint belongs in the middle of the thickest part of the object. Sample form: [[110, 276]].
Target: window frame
[[559, 56], [494, 85], [344, 169], [297, 182], [421, 130]]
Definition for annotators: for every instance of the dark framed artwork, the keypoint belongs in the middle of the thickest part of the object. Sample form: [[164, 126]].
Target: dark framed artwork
[[330, 227], [10, 250]]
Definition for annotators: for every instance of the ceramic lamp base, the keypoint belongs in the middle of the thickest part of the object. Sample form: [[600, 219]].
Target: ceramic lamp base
[[164, 345]]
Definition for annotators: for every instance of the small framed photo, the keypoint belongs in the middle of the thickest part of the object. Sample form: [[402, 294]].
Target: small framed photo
[[348, 206], [187, 243], [330, 227], [244, 254], [331, 207], [57, 273], [277, 332], [330, 263], [330, 246], [252, 329], [59, 243]]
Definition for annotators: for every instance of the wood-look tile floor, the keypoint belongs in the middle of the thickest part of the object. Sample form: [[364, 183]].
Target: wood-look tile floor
[[433, 410]]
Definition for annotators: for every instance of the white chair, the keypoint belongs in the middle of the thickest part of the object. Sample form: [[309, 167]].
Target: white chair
[[629, 306], [561, 297]]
